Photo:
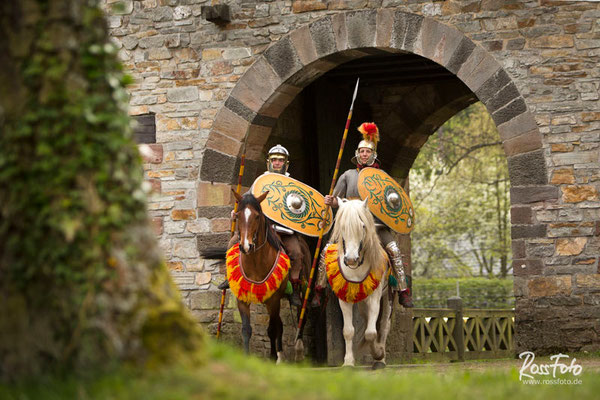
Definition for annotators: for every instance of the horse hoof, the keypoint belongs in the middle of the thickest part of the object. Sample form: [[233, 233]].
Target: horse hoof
[[299, 350], [378, 365]]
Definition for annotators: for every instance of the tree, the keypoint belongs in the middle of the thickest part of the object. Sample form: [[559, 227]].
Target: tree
[[82, 284], [460, 187]]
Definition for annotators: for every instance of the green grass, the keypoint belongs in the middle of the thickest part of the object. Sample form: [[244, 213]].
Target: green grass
[[231, 375]]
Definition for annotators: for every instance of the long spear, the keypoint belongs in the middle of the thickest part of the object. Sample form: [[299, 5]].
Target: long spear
[[238, 189], [333, 181]]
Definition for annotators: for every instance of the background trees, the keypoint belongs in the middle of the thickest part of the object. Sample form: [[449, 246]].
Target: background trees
[[460, 189]]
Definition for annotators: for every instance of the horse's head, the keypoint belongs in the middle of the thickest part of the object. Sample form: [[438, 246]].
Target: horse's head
[[354, 230], [250, 221]]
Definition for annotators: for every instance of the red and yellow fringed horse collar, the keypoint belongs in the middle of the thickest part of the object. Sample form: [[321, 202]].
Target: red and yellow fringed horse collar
[[255, 292], [349, 291]]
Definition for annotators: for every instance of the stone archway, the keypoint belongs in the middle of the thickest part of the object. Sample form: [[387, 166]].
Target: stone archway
[[296, 60], [285, 68]]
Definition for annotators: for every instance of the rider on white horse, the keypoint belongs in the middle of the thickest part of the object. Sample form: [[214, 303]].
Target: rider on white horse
[[278, 162], [347, 187]]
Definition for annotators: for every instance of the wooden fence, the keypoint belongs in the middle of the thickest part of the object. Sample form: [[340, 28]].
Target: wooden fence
[[455, 333]]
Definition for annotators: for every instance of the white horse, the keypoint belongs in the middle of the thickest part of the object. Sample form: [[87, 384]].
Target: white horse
[[358, 273]]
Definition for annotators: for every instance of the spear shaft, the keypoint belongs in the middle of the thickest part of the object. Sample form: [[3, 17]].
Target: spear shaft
[[333, 181], [238, 189]]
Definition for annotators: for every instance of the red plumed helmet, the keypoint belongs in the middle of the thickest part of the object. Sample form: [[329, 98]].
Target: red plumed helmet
[[369, 131]]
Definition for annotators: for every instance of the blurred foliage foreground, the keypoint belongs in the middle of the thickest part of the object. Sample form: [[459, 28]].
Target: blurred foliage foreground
[[232, 375]]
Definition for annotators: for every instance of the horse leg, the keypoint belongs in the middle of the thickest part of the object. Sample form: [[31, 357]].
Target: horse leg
[[348, 332], [385, 319], [373, 305], [275, 329], [244, 309]]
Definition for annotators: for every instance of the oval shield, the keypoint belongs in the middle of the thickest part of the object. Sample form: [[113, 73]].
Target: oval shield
[[293, 204], [386, 199]]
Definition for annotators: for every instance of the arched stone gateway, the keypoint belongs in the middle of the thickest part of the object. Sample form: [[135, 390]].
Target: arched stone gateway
[[307, 53], [533, 66]]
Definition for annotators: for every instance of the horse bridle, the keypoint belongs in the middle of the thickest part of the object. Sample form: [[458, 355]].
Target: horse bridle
[[362, 257], [255, 238]]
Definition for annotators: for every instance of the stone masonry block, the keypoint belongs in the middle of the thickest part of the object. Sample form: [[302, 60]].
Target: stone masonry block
[[223, 144], [322, 35], [579, 193], [460, 55], [524, 143], [439, 41], [304, 44], [524, 267], [385, 26], [549, 286], [152, 153], [214, 212], [570, 246], [182, 94], [478, 68], [264, 120], [360, 28], [518, 249], [579, 157], [217, 167], [214, 194], [206, 300], [588, 281], [407, 29], [519, 125], [506, 95], [528, 231], [239, 108], [563, 176], [492, 86], [528, 169], [230, 124], [340, 33], [521, 215], [279, 100], [532, 194], [283, 58], [256, 85], [510, 111], [208, 241]]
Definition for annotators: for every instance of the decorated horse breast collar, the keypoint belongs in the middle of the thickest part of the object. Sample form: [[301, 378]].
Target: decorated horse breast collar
[[344, 289], [250, 291]]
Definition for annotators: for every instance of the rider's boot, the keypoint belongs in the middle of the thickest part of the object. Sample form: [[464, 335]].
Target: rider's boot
[[404, 296], [320, 282]]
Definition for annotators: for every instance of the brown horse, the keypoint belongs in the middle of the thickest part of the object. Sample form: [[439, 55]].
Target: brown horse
[[261, 263]]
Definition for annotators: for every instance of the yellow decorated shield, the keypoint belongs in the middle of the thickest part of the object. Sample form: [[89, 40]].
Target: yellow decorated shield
[[386, 199], [293, 204]]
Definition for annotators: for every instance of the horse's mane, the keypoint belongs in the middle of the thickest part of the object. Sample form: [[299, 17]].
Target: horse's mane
[[349, 221], [248, 199]]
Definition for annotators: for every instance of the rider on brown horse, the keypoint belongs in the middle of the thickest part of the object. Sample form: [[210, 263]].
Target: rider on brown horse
[[278, 162], [347, 187]]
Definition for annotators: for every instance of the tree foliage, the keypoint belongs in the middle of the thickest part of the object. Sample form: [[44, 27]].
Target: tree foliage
[[81, 280], [460, 189]]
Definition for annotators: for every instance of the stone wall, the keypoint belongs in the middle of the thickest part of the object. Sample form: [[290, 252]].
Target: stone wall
[[534, 64]]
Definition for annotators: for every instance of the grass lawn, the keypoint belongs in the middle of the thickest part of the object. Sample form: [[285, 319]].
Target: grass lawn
[[229, 374]]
